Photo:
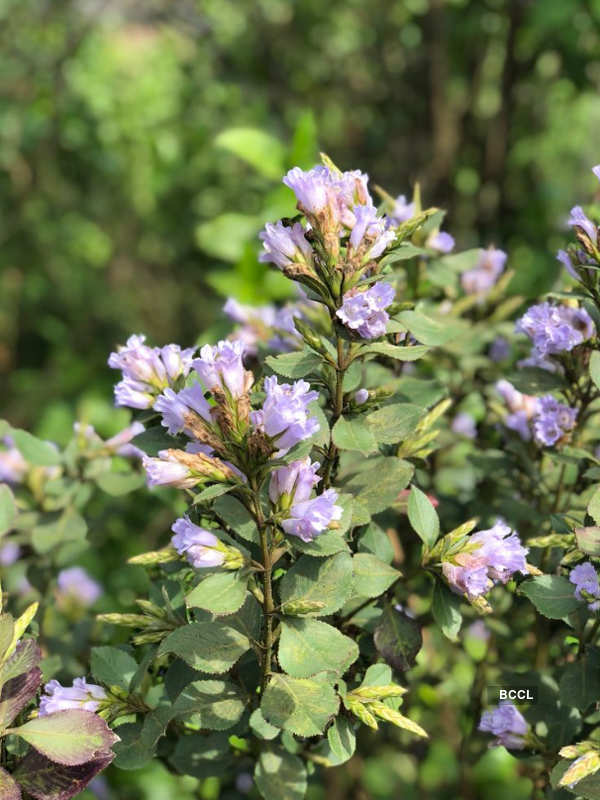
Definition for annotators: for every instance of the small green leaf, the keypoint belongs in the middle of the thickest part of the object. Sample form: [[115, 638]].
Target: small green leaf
[[221, 593], [423, 517], [328, 580], [299, 705], [256, 147], [280, 775], [308, 646], [426, 330], [376, 489], [113, 666], [215, 705], [392, 423], [580, 682], [206, 646], [398, 638], [445, 608], [593, 508], [354, 434], [238, 518], [595, 368], [119, 483], [260, 726], [34, 450], [371, 576], [552, 595], [296, 364], [8, 509], [342, 740], [398, 352]]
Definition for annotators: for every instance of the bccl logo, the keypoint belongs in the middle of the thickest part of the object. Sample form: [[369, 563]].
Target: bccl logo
[[511, 694]]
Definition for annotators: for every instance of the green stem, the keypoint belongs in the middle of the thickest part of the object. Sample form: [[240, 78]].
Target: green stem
[[268, 605], [338, 406]]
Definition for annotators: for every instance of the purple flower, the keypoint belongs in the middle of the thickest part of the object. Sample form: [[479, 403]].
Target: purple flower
[[555, 329], [552, 420], [478, 630], [9, 553], [260, 322], [312, 188], [294, 482], [74, 584], [284, 415], [499, 349], [175, 407], [441, 241], [284, 245], [121, 442], [402, 210], [565, 260], [322, 189], [507, 724], [82, 695], [522, 408], [364, 311], [489, 557], [371, 230], [221, 368], [464, 425], [484, 275], [167, 470], [587, 587], [578, 219], [361, 396], [308, 518], [596, 171], [13, 466], [199, 546]]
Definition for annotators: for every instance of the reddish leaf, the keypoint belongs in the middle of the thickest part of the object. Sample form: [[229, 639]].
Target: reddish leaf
[[16, 693], [45, 780], [8, 788]]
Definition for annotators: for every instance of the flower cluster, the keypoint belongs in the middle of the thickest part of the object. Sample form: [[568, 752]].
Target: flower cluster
[[82, 695], [290, 489], [553, 420], [485, 273], [488, 557], [147, 370], [507, 724], [585, 579], [554, 329], [201, 547], [284, 416], [363, 311]]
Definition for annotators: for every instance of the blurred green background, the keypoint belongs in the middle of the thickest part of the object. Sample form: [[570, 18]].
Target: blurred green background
[[142, 147]]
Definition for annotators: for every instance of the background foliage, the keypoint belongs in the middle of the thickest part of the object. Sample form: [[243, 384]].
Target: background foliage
[[141, 148]]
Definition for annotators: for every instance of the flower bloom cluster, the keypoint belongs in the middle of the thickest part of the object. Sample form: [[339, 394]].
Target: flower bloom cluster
[[147, 370], [284, 416], [82, 695], [273, 326], [485, 273], [554, 329], [290, 489], [489, 557], [553, 420], [75, 585], [221, 368], [202, 548], [585, 579], [364, 311], [507, 724]]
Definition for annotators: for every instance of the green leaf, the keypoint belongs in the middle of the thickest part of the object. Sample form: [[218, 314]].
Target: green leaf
[[256, 147], [580, 682], [595, 368], [354, 434], [299, 705], [203, 756], [552, 595], [113, 667], [215, 705], [34, 450], [225, 237], [398, 352], [238, 518], [154, 439], [326, 544], [328, 580], [8, 788], [534, 380], [423, 516], [392, 423], [260, 726], [206, 646], [588, 788], [119, 483], [371, 576], [445, 608], [593, 508], [211, 492], [280, 775], [588, 540], [7, 629], [398, 638], [221, 593], [426, 330], [308, 646], [17, 693], [8, 509], [295, 365], [342, 740], [68, 737], [70, 526], [376, 489]]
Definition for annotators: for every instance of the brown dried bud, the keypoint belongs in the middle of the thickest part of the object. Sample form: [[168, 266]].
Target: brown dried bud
[[202, 432], [201, 464]]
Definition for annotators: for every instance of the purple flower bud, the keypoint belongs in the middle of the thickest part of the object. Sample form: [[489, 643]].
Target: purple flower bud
[[555, 329], [361, 396], [364, 311], [522, 408], [402, 210], [284, 415], [13, 466], [199, 546], [82, 695], [553, 420], [565, 260], [441, 241], [222, 368], [578, 219], [484, 275], [585, 579], [294, 482], [507, 724], [371, 229], [168, 471], [284, 245], [499, 349], [478, 630], [309, 518], [312, 188], [176, 406], [464, 425], [9, 553], [120, 443], [74, 584], [133, 394]]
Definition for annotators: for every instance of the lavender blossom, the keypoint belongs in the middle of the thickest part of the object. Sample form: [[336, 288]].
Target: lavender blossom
[[322, 190], [402, 210], [275, 326], [284, 415], [221, 368], [294, 483], [13, 466], [587, 587], [464, 425], [9, 553], [312, 188], [553, 420], [364, 311], [596, 171], [555, 329], [76, 585], [486, 272], [361, 396], [441, 241], [499, 349], [490, 556], [507, 724], [82, 695], [176, 407], [522, 409], [285, 245], [579, 220], [199, 546], [370, 231], [565, 260], [167, 470], [120, 443], [309, 518]]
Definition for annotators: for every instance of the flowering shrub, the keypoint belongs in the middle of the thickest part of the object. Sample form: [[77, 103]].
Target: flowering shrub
[[333, 526]]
